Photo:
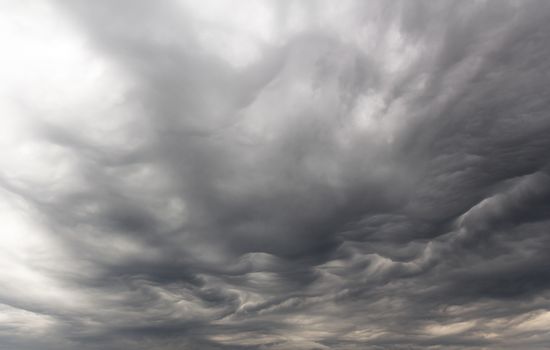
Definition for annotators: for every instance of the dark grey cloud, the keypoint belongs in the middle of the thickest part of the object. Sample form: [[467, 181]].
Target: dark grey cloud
[[276, 175]]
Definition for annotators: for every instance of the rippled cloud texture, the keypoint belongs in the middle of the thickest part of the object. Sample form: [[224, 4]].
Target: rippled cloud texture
[[274, 175]]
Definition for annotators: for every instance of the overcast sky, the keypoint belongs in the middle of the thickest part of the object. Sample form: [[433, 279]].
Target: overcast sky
[[274, 175]]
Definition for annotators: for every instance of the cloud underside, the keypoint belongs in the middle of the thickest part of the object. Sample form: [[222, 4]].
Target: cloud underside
[[277, 175]]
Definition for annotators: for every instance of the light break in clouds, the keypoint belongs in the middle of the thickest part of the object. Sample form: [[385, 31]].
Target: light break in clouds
[[273, 175]]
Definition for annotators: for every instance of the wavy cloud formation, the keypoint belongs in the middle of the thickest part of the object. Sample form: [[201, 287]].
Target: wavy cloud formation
[[275, 175]]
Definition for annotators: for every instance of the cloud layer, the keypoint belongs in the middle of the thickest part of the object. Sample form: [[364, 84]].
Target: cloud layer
[[275, 175]]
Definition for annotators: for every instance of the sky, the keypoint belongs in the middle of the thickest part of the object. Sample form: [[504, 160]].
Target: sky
[[274, 175]]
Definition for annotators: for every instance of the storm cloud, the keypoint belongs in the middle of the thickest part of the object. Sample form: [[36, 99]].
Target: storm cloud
[[272, 175]]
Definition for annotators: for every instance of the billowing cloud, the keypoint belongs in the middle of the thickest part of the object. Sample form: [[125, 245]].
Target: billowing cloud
[[275, 175]]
